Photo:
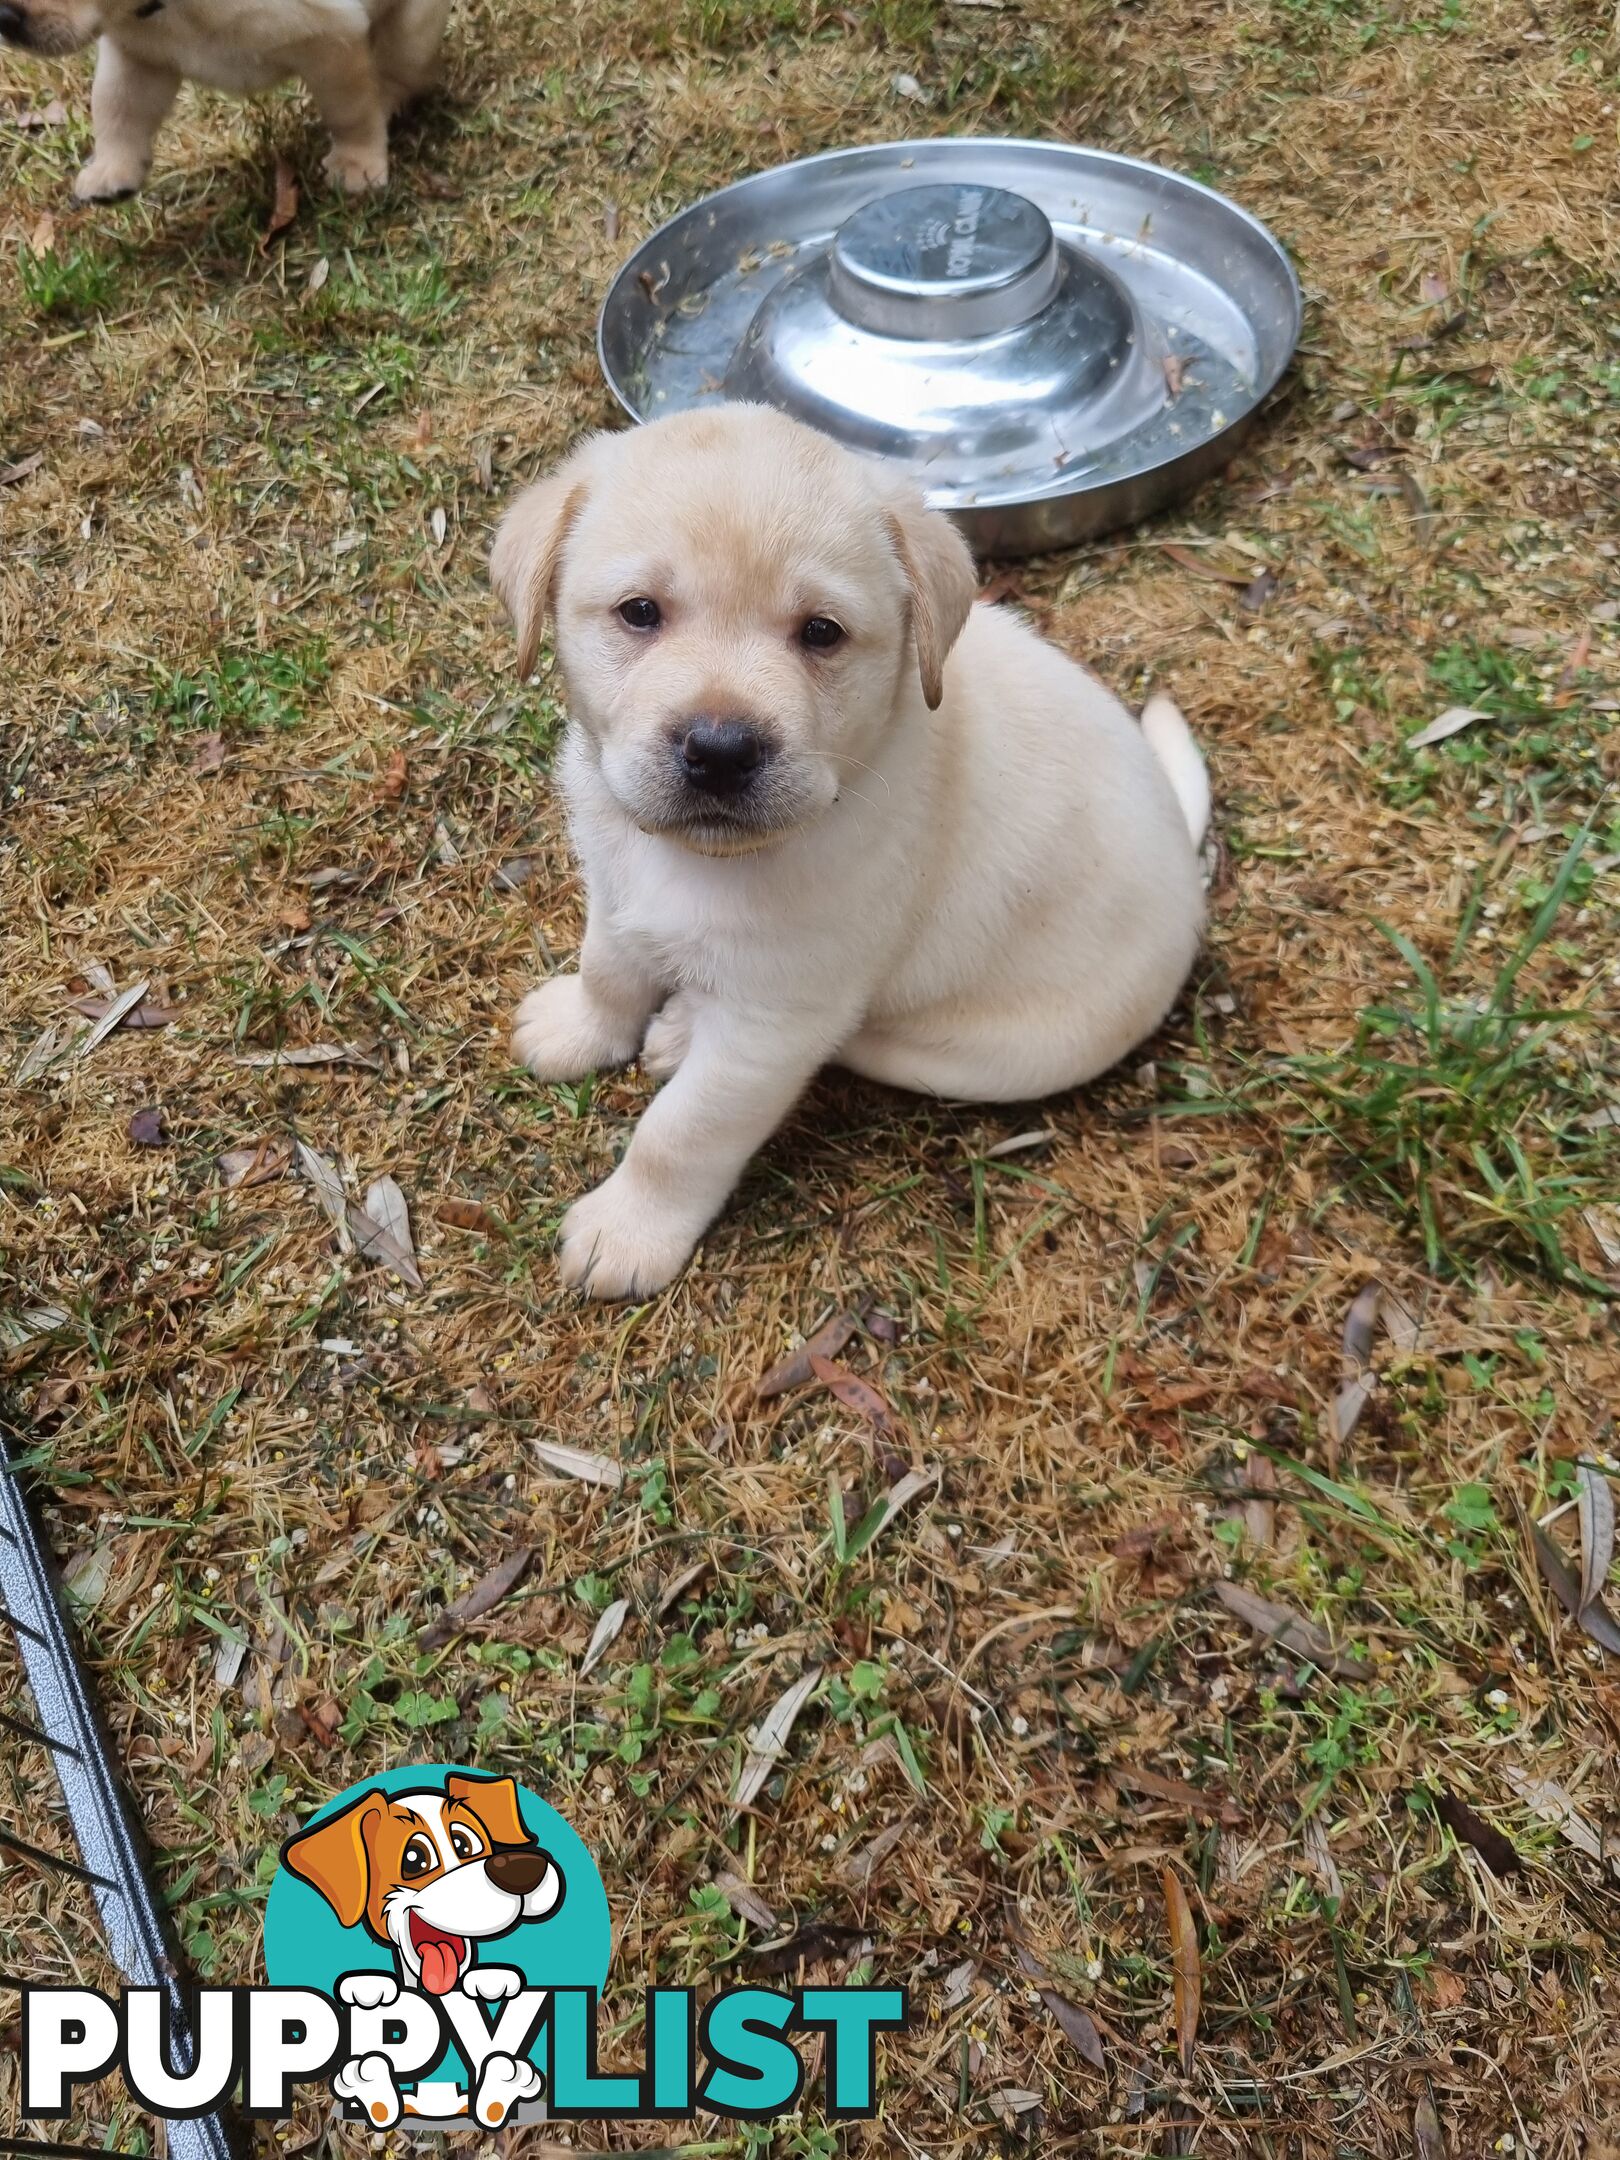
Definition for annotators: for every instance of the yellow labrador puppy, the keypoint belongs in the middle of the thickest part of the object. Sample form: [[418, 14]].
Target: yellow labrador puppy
[[827, 810], [361, 59]]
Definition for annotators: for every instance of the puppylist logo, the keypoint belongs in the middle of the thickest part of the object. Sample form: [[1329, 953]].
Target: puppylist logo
[[435, 1945]]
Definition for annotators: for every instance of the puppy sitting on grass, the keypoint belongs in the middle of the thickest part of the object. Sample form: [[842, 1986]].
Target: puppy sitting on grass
[[826, 809], [361, 59]]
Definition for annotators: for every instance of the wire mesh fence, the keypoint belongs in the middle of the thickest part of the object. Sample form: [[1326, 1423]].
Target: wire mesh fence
[[77, 1906]]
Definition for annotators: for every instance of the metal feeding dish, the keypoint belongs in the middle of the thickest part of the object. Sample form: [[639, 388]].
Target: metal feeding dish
[[1057, 340]]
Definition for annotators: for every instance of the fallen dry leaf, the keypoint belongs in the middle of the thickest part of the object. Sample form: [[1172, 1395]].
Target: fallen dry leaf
[[1595, 1616], [864, 1864], [1077, 2027], [458, 1214], [1596, 1510], [146, 1127], [746, 1901], [604, 1635], [579, 1463], [1213, 1807], [1451, 722], [1548, 1799], [855, 1394], [488, 1592], [1260, 1512], [107, 1013], [1499, 1853], [678, 1585], [795, 1370], [395, 773], [328, 1189], [1189, 1975], [256, 1164], [284, 205], [1292, 1630], [1427, 2136], [208, 756], [770, 1738], [1200, 566], [309, 1054], [130, 1009], [1356, 1349], [382, 1239], [11, 474]]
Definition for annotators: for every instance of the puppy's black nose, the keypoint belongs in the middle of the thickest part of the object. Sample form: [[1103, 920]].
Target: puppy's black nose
[[519, 1869], [11, 25], [720, 757]]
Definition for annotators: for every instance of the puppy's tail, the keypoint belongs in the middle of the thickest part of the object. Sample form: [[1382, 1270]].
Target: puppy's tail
[[1171, 741]]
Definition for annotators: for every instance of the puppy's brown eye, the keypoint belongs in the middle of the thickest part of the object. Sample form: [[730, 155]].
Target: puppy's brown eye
[[640, 614], [418, 1858], [821, 633]]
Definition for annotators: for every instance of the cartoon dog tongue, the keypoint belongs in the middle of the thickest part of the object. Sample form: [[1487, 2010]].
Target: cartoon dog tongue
[[441, 1955]]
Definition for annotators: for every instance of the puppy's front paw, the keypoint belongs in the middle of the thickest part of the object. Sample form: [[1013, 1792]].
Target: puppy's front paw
[[368, 1990], [491, 1983], [368, 2081], [560, 1033], [613, 1245], [668, 1038], [356, 168], [109, 177], [502, 2083]]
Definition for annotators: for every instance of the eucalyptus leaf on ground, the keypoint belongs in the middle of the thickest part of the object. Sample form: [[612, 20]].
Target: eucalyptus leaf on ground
[[770, 1738], [1292, 1630], [604, 1635]]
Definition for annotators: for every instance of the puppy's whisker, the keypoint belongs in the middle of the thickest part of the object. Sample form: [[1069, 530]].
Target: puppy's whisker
[[856, 796], [842, 757]]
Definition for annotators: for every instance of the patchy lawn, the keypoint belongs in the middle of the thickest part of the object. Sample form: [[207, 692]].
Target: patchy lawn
[[263, 751]]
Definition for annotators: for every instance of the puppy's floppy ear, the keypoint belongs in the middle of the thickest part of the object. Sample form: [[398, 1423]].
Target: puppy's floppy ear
[[334, 1857], [495, 1802], [528, 551], [939, 570]]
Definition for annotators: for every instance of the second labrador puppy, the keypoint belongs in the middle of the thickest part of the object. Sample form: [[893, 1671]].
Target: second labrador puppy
[[826, 810], [361, 59]]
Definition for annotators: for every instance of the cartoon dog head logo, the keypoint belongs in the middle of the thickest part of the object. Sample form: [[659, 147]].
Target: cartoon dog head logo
[[428, 1902], [433, 1873]]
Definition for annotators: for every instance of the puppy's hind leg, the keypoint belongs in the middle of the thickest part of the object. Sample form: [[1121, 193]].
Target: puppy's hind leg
[[405, 43], [342, 80]]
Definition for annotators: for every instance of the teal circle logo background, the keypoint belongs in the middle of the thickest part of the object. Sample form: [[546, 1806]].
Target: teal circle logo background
[[305, 1944]]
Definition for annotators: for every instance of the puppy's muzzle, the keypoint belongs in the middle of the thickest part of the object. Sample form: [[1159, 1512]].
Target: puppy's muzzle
[[50, 37], [720, 758], [517, 1870]]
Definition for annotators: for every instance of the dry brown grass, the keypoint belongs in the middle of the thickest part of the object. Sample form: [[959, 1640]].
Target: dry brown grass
[[1096, 1341]]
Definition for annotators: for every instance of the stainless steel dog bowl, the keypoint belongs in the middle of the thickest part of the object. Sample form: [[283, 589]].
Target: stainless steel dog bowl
[[1058, 340]]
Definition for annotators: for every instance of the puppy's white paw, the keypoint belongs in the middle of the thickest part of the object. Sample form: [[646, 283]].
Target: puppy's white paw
[[491, 1983], [108, 177], [369, 2081], [368, 1990], [356, 168], [560, 1032], [502, 2083], [613, 1245], [668, 1038]]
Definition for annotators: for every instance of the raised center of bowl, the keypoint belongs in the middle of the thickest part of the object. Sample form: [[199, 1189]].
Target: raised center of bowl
[[950, 260]]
